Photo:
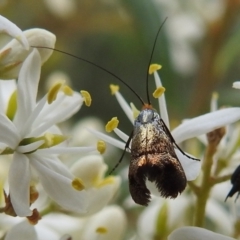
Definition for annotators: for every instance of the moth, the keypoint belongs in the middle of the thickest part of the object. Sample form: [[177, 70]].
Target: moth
[[153, 156]]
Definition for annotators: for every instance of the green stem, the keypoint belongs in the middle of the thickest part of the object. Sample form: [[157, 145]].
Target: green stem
[[205, 187]]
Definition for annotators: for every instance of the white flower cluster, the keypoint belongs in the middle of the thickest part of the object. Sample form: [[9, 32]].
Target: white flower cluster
[[31, 142], [53, 200]]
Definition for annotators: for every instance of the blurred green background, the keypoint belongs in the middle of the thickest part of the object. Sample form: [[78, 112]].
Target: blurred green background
[[198, 48]]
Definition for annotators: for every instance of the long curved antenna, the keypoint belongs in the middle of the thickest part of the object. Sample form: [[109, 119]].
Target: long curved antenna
[[97, 66], [154, 45]]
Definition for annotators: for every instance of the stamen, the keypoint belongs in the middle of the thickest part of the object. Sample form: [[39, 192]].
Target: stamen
[[77, 184], [214, 102], [158, 92], [112, 124], [53, 91], [154, 67], [67, 90], [114, 88], [87, 97], [101, 230], [106, 181], [134, 110], [101, 146], [12, 106], [215, 95], [52, 140]]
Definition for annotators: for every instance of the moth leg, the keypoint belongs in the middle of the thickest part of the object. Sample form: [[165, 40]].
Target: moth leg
[[173, 141], [124, 151]]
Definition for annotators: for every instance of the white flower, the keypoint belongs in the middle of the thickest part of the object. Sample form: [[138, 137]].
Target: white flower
[[188, 129], [110, 223], [15, 52], [100, 189], [12, 30], [196, 233], [236, 85], [28, 131]]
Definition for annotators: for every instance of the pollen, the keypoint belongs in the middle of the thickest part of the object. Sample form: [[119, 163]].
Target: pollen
[[87, 97], [77, 184], [114, 88], [134, 110], [101, 146], [158, 92], [53, 91], [154, 67], [101, 230], [67, 90], [112, 124]]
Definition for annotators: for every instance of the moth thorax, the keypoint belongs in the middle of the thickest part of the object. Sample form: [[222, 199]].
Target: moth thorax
[[146, 115]]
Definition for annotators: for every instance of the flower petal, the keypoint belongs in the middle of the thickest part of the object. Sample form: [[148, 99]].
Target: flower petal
[[191, 167], [52, 163], [111, 220], [19, 183], [22, 231], [59, 187], [6, 90], [236, 85], [90, 169], [205, 123], [60, 110], [99, 197], [14, 31], [27, 87], [35, 37], [8, 132], [196, 233]]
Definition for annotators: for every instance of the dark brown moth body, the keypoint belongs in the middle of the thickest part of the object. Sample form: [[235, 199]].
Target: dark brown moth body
[[153, 157]]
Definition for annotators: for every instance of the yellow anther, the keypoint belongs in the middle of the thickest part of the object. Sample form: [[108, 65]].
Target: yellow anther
[[101, 146], [67, 90], [50, 140], [101, 230], [158, 92], [154, 67], [48, 137], [112, 124], [114, 88], [53, 91], [12, 106], [215, 95], [106, 181], [77, 184], [134, 110], [87, 97]]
